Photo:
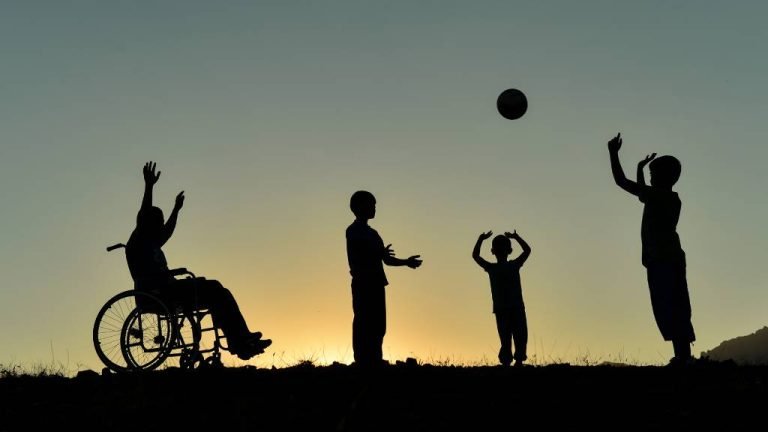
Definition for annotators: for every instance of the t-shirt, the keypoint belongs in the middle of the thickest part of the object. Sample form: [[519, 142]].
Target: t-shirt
[[658, 232], [506, 290], [365, 253], [146, 262]]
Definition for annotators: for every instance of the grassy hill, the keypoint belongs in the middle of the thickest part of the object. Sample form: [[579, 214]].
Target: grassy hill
[[751, 349], [343, 398]]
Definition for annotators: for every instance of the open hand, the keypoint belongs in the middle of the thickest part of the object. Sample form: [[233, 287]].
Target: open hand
[[413, 261], [615, 143], [179, 201], [150, 177], [388, 251], [511, 235], [646, 161], [485, 236]]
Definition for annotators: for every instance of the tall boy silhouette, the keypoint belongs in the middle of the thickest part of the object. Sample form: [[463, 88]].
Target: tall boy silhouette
[[663, 256], [366, 254]]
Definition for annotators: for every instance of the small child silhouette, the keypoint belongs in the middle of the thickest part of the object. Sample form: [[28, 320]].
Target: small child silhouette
[[507, 294], [663, 256]]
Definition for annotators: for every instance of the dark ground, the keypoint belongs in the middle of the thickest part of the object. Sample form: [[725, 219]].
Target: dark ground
[[306, 398]]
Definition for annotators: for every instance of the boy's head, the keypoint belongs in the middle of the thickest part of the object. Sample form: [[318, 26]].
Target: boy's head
[[363, 205], [501, 246], [665, 171], [151, 220]]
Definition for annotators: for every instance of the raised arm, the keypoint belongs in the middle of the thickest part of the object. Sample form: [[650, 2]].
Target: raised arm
[[618, 172], [390, 259], [150, 178], [523, 244], [476, 251], [170, 225]]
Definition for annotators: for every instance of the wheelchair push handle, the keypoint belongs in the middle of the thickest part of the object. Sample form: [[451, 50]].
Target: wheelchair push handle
[[115, 246]]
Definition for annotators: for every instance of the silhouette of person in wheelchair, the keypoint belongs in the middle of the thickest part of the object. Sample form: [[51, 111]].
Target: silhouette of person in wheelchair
[[150, 273]]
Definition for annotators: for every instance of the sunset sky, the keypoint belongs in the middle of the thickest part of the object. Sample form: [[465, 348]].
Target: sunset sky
[[270, 114]]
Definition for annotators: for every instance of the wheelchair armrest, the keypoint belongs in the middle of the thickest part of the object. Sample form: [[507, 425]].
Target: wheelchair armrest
[[180, 272]]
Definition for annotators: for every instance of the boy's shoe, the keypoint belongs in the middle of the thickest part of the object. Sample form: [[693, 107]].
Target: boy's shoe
[[679, 362], [252, 339], [253, 348]]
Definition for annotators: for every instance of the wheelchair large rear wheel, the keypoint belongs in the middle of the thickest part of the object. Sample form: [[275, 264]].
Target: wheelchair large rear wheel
[[133, 331]]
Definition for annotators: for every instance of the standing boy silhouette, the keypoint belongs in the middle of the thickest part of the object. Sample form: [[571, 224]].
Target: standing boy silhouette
[[366, 253], [663, 256], [507, 294]]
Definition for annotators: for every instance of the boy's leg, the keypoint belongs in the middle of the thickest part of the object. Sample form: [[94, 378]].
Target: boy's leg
[[520, 335], [363, 338], [504, 327], [369, 323], [203, 293], [670, 300], [681, 307], [682, 349], [358, 337], [379, 328], [359, 323]]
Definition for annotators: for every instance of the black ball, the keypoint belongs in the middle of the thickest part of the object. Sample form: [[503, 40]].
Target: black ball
[[512, 104]]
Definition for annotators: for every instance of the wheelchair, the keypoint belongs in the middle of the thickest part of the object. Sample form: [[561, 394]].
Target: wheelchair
[[137, 331]]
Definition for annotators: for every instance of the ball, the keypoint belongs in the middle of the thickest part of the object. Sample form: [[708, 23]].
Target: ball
[[512, 104]]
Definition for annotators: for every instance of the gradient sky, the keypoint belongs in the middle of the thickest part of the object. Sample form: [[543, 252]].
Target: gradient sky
[[270, 114]]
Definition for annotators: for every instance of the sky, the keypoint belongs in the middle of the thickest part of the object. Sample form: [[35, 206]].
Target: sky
[[270, 114]]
